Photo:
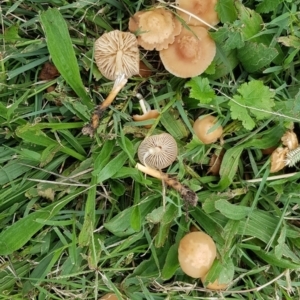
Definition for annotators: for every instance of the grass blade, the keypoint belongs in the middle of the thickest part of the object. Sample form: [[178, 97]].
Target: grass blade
[[18, 234], [61, 50]]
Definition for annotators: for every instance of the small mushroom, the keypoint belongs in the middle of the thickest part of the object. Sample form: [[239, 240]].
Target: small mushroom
[[196, 254], [216, 286], [148, 114], [117, 57], [117, 53], [157, 27], [290, 140], [158, 151], [203, 125], [278, 159], [110, 296], [215, 162], [191, 53], [203, 9]]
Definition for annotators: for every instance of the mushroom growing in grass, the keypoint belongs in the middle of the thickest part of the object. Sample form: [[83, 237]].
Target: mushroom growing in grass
[[278, 159], [117, 57], [157, 28], [202, 9], [203, 129], [191, 53], [148, 114], [196, 254], [216, 286], [110, 296], [158, 151]]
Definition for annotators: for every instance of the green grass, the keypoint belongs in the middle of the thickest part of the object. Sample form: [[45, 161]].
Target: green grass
[[78, 220]]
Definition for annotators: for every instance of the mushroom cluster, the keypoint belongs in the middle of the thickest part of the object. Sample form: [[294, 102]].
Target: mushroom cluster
[[184, 52]]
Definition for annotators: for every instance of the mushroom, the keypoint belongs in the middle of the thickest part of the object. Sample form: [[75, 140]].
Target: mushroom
[[117, 53], [214, 285], [148, 114], [279, 159], [110, 296], [191, 53], [196, 254], [158, 151], [157, 27], [215, 162], [290, 140], [117, 57], [203, 126], [203, 9]]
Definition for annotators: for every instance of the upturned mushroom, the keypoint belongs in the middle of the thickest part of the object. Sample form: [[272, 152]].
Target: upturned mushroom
[[203, 129], [158, 151], [216, 286], [157, 28], [196, 254], [201, 9], [148, 114], [191, 53], [110, 296], [117, 57]]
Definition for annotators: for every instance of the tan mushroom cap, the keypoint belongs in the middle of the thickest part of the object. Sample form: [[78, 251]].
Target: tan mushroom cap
[[110, 296], [196, 253], [149, 115], [116, 53], [278, 159], [189, 55], [158, 151], [204, 9], [158, 28], [203, 126]]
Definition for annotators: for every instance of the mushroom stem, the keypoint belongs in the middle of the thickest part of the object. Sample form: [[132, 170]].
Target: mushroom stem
[[187, 194], [90, 128], [142, 103]]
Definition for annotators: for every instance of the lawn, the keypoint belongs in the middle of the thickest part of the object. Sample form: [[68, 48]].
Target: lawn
[[80, 216]]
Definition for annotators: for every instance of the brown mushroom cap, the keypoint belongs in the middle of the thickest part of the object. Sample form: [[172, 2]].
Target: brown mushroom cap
[[290, 140], [158, 151], [189, 55], [110, 296], [116, 53], [204, 9], [158, 28], [196, 254], [202, 127], [278, 159], [149, 115], [214, 285]]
